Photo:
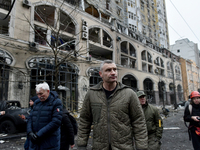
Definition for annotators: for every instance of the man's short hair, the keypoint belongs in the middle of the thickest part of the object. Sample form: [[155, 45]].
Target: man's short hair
[[105, 62], [40, 86]]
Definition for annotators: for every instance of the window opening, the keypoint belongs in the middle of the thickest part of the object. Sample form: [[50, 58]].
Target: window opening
[[43, 69]]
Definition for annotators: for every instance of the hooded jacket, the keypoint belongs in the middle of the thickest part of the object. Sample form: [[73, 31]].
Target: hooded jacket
[[115, 120], [45, 120]]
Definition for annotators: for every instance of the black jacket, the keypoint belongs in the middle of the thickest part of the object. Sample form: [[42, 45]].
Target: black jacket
[[67, 132], [195, 112], [45, 120]]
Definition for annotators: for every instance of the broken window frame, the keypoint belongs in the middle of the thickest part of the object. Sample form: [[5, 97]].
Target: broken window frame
[[147, 65], [95, 78], [5, 61], [128, 55], [43, 69]]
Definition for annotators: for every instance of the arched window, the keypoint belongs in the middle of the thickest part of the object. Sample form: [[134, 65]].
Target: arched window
[[95, 78], [159, 66], [92, 10], [178, 73], [169, 70], [128, 55], [5, 62], [58, 27], [147, 65], [100, 44], [130, 81], [43, 69]]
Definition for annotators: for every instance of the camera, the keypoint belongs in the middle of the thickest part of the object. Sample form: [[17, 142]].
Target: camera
[[198, 118]]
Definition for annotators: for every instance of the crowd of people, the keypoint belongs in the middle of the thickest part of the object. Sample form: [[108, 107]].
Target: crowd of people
[[120, 118]]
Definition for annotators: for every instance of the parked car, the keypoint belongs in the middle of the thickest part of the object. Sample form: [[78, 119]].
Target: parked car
[[11, 122], [181, 103]]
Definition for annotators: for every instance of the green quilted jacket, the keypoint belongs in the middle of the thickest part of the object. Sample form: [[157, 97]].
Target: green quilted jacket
[[116, 120], [152, 117]]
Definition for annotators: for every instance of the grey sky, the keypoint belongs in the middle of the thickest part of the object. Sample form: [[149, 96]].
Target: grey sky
[[178, 28]]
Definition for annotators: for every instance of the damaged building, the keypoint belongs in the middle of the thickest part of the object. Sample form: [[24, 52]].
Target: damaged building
[[66, 40]]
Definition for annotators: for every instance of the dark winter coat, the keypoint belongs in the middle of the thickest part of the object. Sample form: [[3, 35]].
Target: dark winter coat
[[193, 124], [195, 112], [115, 120], [45, 120], [67, 132]]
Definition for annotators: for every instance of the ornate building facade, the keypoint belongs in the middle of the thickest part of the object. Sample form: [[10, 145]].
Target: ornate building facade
[[65, 41]]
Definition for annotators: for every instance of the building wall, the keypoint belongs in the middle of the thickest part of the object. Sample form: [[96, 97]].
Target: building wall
[[186, 49], [184, 78], [192, 76], [18, 46]]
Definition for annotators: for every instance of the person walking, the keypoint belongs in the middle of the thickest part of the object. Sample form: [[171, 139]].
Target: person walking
[[153, 121], [67, 132], [31, 102], [115, 113], [43, 125], [192, 115]]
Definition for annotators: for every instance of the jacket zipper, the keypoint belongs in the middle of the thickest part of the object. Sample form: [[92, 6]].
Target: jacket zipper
[[109, 132]]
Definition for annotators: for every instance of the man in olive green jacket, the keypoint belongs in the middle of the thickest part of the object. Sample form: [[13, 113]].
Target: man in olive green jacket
[[153, 121], [115, 113]]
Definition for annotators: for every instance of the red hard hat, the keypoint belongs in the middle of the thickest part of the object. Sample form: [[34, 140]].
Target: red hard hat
[[194, 94]]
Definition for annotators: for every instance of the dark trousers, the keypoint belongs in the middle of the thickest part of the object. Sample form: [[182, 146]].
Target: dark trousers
[[195, 140]]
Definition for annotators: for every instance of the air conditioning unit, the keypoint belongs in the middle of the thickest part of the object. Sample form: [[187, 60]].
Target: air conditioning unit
[[84, 28], [84, 35], [33, 45], [89, 58], [84, 23], [26, 3]]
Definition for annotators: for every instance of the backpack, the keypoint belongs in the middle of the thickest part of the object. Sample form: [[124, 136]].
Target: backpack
[[190, 110], [74, 123], [189, 132]]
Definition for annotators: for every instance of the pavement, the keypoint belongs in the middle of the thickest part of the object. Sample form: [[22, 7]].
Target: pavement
[[175, 135]]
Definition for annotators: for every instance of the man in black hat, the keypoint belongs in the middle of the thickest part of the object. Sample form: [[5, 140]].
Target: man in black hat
[[153, 121]]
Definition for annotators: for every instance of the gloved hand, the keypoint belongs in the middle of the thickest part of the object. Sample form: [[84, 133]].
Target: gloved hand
[[33, 137]]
